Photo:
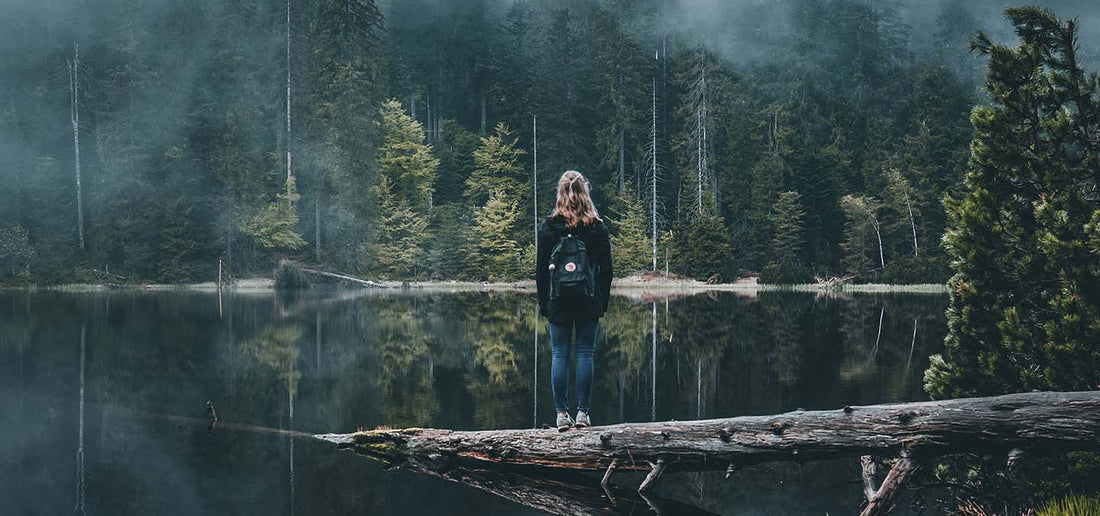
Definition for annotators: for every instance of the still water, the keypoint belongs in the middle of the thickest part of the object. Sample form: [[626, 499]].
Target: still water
[[103, 395]]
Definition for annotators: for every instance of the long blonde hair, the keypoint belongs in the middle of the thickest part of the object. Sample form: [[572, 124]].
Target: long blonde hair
[[574, 203]]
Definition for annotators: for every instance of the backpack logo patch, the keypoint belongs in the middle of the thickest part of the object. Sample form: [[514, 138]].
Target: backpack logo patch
[[570, 267]]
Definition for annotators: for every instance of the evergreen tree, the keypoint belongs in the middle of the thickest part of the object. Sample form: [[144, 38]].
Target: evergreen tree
[[630, 245], [405, 162], [622, 107], [499, 170], [397, 249], [768, 177], [15, 245], [406, 171], [275, 227], [701, 248], [455, 149], [450, 245], [788, 241], [1025, 297], [497, 256]]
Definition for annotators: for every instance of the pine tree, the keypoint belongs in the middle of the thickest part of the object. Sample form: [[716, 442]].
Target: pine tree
[[499, 170], [397, 249], [788, 242], [701, 247], [1025, 297], [404, 160], [15, 245], [629, 240], [406, 170], [621, 63], [455, 149], [275, 227], [768, 177], [497, 256], [449, 248]]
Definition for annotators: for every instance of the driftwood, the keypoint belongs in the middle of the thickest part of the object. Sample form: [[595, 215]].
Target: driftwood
[[341, 277], [909, 432], [833, 282]]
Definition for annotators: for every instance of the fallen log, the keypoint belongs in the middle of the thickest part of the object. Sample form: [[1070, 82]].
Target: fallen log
[[1038, 421], [342, 277]]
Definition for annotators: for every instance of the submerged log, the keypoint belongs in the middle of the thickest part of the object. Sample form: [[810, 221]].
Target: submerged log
[[1038, 421]]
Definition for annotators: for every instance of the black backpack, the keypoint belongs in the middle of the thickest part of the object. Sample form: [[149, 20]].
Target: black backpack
[[572, 277]]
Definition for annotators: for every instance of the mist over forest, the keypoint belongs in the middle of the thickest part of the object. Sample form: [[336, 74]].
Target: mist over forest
[[790, 138]]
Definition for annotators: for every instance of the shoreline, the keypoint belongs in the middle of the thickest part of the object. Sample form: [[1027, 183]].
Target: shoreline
[[631, 286]]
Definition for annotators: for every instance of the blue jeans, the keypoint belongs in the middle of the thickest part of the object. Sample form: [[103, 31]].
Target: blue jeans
[[560, 337]]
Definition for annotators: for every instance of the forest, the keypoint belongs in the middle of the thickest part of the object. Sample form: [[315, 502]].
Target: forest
[[422, 139]]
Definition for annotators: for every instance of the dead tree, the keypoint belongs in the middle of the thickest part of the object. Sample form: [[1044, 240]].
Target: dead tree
[[74, 118], [911, 433]]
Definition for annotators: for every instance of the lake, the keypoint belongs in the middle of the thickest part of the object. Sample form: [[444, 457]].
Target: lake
[[103, 396]]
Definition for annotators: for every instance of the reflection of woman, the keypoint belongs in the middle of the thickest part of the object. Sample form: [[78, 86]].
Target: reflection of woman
[[573, 295]]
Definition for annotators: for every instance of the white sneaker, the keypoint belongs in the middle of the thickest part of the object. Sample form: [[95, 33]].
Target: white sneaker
[[564, 421], [583, 420]]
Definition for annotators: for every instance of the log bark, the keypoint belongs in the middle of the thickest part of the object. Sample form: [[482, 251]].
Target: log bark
[[1036, 421]]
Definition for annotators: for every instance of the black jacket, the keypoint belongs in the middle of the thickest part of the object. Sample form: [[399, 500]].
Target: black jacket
[[598, 245]]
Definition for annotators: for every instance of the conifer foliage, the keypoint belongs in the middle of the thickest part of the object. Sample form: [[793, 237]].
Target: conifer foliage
[[274, 227], [630, 245], [1025, 297], [788, 243]]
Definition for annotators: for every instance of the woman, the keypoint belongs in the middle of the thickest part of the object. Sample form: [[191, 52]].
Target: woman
[[573, 276]]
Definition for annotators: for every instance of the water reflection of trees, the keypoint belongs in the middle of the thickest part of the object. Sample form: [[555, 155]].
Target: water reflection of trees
[[716, 355], [462, 360]]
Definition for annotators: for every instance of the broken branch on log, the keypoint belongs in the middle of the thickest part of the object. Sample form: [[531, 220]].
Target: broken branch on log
[[606, 481], [867, 462], [655, 472], [883, 500]]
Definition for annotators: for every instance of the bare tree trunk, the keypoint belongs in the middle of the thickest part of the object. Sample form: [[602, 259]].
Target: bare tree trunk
[[881, 256], [74, 117], [653, 180], [483, 112], [317, 226], [912, 224], [622, 158], [535, 177], [289, 173], [229, 233], [697, 97]]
